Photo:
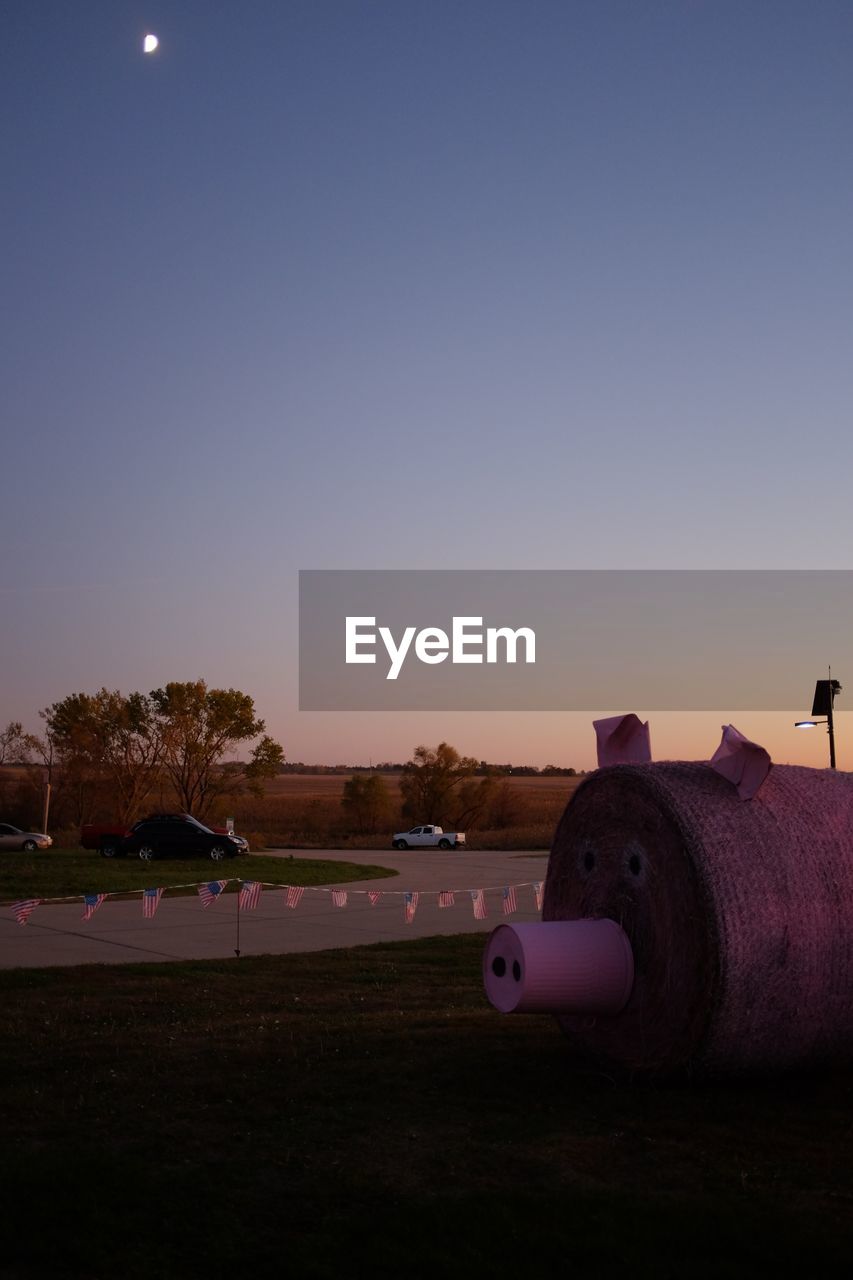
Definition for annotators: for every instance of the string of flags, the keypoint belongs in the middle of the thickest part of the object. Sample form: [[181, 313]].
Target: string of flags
[[249, 895]]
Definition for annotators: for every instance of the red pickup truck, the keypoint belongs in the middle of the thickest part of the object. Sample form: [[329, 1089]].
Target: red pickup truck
[[110, 837]]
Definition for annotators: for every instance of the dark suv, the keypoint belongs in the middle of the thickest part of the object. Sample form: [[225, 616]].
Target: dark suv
[[179, 837]]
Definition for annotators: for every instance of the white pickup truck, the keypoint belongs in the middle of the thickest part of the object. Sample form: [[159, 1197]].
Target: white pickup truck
[[428, 838]]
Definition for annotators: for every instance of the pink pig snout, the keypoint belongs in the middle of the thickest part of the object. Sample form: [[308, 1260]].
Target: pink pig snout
[[563, 966]]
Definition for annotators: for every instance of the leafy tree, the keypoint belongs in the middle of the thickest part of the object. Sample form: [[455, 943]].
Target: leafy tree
[[470, 803], [504, 807], [16, 747], [106, 737], [18, 790], [437, 786], [197, 727], [366, 802]]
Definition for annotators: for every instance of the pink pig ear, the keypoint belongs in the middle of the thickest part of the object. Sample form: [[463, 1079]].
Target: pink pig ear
[[741, 762], [622, 740]]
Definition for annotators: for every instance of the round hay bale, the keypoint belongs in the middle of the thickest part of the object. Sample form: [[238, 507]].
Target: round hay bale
[[740, 914]]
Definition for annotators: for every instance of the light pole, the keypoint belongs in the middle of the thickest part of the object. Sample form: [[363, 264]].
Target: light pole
[[824, 698], [47, 765]]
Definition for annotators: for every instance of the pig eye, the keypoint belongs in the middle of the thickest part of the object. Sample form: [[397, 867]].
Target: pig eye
[[635, 862], [586, 859]]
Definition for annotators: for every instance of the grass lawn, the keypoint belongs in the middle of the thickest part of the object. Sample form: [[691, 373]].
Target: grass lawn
[[366, 1112], [59, 872]]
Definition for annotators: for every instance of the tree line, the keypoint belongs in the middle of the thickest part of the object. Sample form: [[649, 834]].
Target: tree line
[[171, 742], [484, 769], [112, 755], [438, 785]]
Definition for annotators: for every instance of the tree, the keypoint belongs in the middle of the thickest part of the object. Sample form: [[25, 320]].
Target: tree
[[16, 747], [436, 784], [18, 790], [366, 802], [504, 807], [198, 727], [107, 737]]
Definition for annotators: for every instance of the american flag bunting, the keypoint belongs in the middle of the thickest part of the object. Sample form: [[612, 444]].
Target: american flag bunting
[[339, 897], [445, 898], [537, 889], [210, 892], [294, 895], [250, 895], [23, 910], [478, 898], [150, 902], [510, 903], [373, 896], [91, 902], [411, 904]]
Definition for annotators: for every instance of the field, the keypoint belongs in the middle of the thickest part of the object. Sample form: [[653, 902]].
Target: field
[[301, 810], [304, 811], [365, 1112]]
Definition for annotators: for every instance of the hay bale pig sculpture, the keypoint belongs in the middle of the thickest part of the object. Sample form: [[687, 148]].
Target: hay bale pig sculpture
[[696, 916]]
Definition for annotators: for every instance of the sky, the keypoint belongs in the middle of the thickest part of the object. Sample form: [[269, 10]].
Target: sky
[[412, 285]]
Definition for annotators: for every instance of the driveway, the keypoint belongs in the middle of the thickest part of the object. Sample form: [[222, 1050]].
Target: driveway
[[183, 930]]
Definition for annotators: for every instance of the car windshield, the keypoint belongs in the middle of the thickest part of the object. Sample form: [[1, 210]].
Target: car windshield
[[195, 822]]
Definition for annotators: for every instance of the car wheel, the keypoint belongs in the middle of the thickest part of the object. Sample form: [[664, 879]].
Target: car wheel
[[29, 846], [217, 853], [109, 849], [145, 852], [402, 844], [444, 844]]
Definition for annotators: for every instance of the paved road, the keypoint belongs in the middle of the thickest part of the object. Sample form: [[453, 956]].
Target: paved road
[[183, 930]]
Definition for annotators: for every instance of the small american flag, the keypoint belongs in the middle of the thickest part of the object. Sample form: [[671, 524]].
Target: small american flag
[[294, 895], [23, 910], [411, 904], [445, 898], [250, 895], [210, 892], [373, 895], [509, 900], [339, 897], [91, 902], [479, 900], [537, 889], [150, 902]]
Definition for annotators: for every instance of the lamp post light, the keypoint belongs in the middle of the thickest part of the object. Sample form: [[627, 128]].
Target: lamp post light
[[824, 698]]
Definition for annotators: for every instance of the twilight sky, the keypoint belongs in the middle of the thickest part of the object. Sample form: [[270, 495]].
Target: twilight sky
[[467, 284]]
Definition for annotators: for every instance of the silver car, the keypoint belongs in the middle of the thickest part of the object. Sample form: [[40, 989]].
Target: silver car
[[14, 838]]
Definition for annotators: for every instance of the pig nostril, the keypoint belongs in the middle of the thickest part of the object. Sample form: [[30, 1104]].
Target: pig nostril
[[634, 865], [516, 970], [499, 966], [589, 860]]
